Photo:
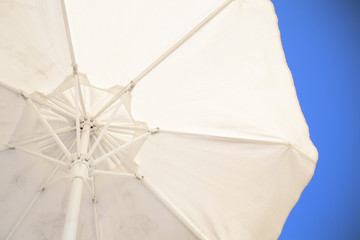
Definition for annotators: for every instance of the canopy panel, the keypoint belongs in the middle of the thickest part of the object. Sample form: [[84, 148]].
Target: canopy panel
[[22, 177], [11, 105], [229, 79], [127, 212], [226, 188], [116, 40], [138, 213], [33, 50]]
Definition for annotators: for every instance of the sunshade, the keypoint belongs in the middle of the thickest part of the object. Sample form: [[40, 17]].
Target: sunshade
[[147, 120]]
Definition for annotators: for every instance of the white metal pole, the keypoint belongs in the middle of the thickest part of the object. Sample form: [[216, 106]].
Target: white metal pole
[[77, 117], [79, 171], [73, 209]]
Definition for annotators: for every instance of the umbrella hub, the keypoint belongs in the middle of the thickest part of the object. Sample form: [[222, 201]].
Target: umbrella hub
[[80, 169], [81, 166], [89, 121]]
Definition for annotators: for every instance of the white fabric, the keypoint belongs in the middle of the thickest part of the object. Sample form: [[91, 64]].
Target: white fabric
[[236, 174], [229, 189], [230, 79], [33, 49], [11, 105], [126, 36], [128, 210], [138, 213], [21, 180]]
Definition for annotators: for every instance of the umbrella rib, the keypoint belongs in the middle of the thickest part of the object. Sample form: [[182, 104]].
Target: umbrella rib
[[52, 132], [187, 223], [53, 115], [110, 137], [3, 148], [273, 140], [77, 116], [94, 201], [113, 173], [109, 140], [43, 148], [119, 131], [100, 101], [167, 53], [46, 144], [14, 90], [27, 96], [68, 34], [102, 158], [160, 196], [116, 162], [61, 105], [38, 138], [48, 158], [127, 128], [72, 54], [103, 131], [180, 42], [302, 153], [121, 159], [119, 163], [89, 188], [111, 101], [54, 108], [57, 180], [237, 139]]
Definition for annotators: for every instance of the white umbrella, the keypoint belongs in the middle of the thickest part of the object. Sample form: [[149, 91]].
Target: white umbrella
[[201, 137]]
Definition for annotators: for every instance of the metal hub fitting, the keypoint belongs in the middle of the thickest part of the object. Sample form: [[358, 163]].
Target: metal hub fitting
[[88, 121], [80, 169]]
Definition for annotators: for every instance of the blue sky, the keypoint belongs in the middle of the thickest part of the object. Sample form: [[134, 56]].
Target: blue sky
[[321, 40]]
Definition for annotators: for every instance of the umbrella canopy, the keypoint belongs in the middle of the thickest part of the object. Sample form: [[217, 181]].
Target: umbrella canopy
[[151, 120]]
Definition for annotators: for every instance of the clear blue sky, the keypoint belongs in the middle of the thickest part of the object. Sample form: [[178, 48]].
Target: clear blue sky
[[321, 40]]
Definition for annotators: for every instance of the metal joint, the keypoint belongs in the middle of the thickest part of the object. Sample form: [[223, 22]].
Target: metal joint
[[10, 146], [154, 131], [75, 69], [24, 95], [130, 86], [138, 176]]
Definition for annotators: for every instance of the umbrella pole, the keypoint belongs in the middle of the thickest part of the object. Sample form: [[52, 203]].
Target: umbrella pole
[[79, 172]]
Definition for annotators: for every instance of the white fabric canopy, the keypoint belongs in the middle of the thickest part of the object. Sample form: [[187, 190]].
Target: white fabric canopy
[[232, 153]]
